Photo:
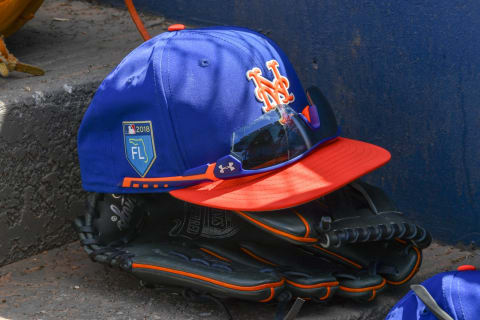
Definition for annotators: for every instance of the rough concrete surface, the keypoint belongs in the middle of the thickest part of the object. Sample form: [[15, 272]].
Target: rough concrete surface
[[78, 44], [64, 284]]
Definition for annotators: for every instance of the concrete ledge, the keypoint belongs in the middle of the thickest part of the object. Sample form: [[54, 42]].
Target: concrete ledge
[[40, 189], [78, 44], [64, 284]]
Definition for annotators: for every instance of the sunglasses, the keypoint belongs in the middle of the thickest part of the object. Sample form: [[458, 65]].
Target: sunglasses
[[276, 139]]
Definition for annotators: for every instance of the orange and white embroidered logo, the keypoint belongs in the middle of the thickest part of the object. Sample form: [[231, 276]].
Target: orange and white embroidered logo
[[268, 92]]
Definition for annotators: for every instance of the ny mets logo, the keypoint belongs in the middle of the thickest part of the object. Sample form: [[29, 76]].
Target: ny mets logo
[[139, 145], [268, 92]]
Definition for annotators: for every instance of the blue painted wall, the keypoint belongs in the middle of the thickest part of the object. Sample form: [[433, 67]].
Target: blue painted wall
[[401, 74]]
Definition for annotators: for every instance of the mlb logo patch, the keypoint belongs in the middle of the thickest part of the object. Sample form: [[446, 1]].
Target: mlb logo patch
[[131, 129], [139, 145]]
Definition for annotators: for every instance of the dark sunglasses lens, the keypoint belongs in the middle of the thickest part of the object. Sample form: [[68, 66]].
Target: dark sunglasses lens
[[265, 147], [267, 142]]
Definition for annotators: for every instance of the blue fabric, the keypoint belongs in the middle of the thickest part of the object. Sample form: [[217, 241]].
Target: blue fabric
[[457, 293], [192, 86]]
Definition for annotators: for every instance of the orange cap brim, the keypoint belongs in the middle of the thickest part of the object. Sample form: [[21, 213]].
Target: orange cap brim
[[324, 170]]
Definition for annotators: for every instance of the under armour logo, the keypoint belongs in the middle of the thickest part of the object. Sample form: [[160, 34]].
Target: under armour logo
[[271, 93], [230, 166]]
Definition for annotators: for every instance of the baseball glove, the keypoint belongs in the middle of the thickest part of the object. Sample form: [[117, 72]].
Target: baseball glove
[[350, 243]]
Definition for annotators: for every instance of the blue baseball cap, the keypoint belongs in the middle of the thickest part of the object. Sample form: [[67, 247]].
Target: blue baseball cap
[[196, 113], [447, 295]]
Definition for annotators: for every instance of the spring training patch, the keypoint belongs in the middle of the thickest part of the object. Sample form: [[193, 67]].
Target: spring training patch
[[139, 145]]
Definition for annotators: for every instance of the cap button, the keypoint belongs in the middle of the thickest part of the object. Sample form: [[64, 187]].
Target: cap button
[[176, 27], [466, 267]]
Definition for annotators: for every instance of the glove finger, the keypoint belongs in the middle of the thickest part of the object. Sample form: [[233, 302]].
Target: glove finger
[[307, 275], [344, 217], [397, 260], [179, 265], [318, 282]]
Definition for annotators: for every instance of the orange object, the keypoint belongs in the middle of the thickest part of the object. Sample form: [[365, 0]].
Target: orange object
[[466, 267], [272, 285], [216, 255], [312, 286], [306, 113], [15, 13], [412, 273], [176, 27], [378, 286], [208, 175], [272, 294], [307, 226], [324, 170], [356, 265], [253, 255], [279, 232], [136, 19]]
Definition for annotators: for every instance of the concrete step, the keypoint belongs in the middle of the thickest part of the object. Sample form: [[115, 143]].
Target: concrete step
[[64, 283], [77, 43]]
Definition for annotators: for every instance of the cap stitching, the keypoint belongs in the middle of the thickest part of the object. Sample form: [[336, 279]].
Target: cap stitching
[[444, 288], [177, 134], [460, 300], [172, 123], [113, 75], [252, 57], [276, 50], [156, 81]]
